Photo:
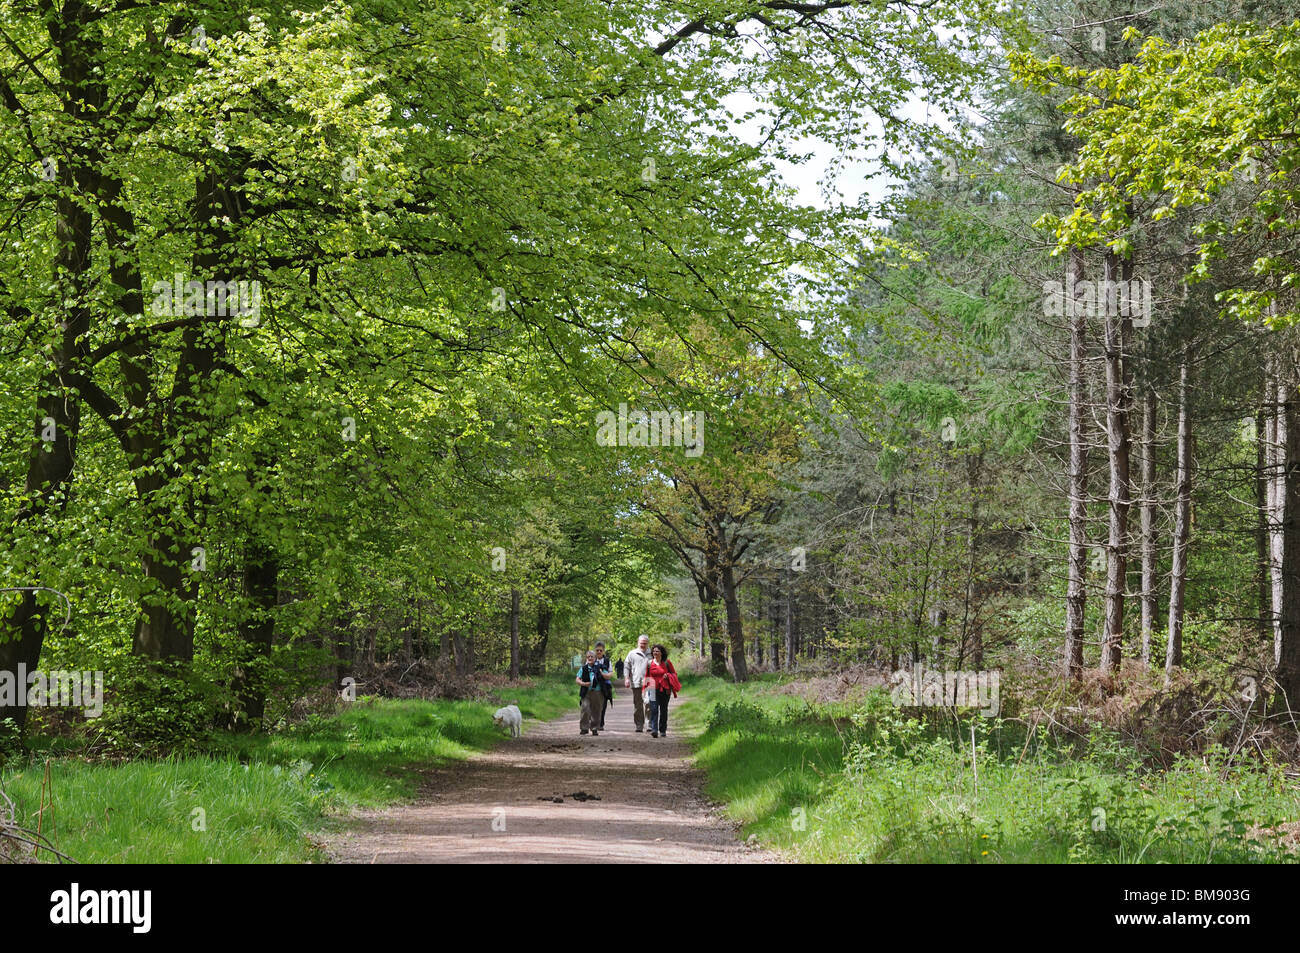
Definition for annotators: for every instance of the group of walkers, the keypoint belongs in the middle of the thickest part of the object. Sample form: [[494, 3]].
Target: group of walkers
[[646, 671]]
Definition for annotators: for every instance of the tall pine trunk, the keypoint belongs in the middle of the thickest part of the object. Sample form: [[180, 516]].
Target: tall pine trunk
[[1288, 643], [1182, 532], [1076, 591], [1262, 418], [1149, 594], [791, 627], [774, 625], [1277, 439], [1116, 333]]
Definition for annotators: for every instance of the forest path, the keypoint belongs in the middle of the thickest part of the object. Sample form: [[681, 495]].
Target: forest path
[[648, 806]]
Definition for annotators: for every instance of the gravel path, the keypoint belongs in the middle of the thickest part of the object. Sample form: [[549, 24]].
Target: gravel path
[[646, 805]]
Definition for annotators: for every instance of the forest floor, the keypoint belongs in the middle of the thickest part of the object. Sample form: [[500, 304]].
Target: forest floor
[[638, 800]]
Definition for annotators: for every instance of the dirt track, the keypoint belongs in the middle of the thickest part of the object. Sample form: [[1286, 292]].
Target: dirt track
[[650, 809]]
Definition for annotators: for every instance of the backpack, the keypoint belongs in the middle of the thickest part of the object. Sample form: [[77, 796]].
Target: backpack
[[590, 673]]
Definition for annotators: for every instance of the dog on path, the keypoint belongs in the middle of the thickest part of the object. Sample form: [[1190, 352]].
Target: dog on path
[[509, 717]]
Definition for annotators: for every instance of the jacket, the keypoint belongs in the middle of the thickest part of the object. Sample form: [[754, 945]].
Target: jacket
[[664, 677], [595, 673], [636, 666]]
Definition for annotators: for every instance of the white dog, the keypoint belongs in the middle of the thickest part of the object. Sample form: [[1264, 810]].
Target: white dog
[[509, 717]]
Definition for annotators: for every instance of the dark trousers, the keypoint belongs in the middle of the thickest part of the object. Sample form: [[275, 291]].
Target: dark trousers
[[589, 719], [603, 708], [659, 712]]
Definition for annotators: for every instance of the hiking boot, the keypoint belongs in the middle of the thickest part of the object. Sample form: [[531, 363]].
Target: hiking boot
[[594, 732], [583, 731], [654, 734]]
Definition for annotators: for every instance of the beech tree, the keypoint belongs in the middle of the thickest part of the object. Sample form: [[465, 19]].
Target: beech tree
[[427, 200]]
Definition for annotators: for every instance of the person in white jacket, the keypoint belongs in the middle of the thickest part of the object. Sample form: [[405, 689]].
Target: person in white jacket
[[634, 667]]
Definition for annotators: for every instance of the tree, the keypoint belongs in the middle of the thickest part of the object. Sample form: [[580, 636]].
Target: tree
[[1172, 128]]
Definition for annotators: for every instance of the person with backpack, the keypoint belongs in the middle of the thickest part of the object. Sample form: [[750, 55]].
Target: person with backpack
[[591, 696], [607, 687], [663, 677]]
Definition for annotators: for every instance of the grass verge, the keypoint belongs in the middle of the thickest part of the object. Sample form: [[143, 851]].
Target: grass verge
[[259, 798], [876, 784]]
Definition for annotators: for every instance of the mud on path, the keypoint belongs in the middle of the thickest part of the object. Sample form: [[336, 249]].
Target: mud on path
[[646, 804]]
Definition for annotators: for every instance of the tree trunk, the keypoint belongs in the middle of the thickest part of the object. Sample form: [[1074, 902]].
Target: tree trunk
[[774, 626], [50, 463], [461, 647], [1288, 646], [717, 639], [1263, 419], [256, 632], [708, 591], [1149, 594], [514, 633], [420, 648], [972, 636], [1278, 437], [791, 627], [1076, 592], [537, 654], [1182, 532], [165, 628], [1117, 332], [735, 625], [344, 647]]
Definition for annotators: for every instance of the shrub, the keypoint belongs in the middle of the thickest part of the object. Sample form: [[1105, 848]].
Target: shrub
[[741, 716], [155, 707]]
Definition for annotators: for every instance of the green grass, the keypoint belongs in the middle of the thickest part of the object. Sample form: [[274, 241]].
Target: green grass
[[261, 798], [373, 752], [763, 777], [189, 810], [872, 785]]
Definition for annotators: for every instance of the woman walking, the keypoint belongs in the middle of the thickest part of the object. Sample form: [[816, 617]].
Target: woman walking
[[661, 673]]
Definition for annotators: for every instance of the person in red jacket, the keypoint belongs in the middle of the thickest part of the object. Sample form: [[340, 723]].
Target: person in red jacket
[[661, 671]]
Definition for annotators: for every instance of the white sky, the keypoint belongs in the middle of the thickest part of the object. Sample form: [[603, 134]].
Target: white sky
[[852, 181]]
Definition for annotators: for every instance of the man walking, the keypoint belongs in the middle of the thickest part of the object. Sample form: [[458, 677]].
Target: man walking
[[634, 678]]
